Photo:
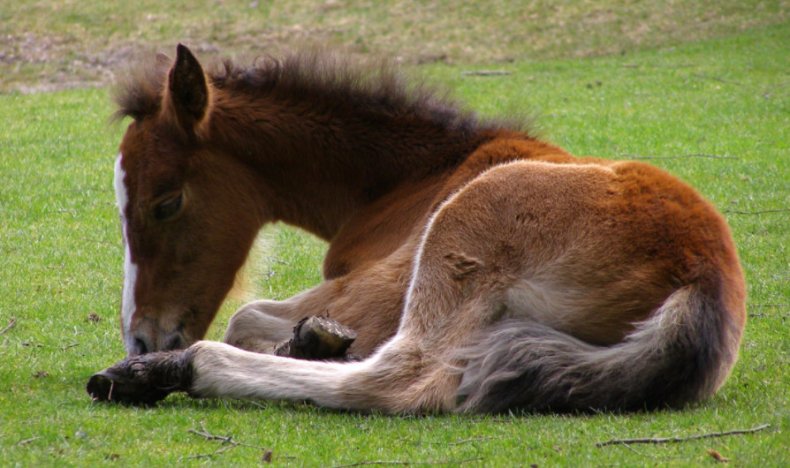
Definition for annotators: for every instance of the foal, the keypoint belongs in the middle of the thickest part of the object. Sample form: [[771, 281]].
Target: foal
[[482, 269]]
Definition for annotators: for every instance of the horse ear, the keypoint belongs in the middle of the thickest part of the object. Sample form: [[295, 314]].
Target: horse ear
[[187, 88]]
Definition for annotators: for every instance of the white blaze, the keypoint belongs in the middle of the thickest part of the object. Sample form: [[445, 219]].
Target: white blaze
[[129, 268]]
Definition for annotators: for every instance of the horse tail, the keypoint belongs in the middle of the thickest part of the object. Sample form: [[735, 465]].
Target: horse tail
[[680, 355]]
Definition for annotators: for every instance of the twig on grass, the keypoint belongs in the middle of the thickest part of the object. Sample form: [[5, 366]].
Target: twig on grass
[[682, 156], [486, 73], [640, 453], [11, 324], [715, 78], [784, 210], [375, 462], [227, 442], [399, 462], [473, 439], [24, 442], [768, 306], [669, 440], [456, 442], [209, 436], [654, 66]]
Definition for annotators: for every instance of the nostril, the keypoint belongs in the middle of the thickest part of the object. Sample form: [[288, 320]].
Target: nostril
[[140, 346], [174, 342]]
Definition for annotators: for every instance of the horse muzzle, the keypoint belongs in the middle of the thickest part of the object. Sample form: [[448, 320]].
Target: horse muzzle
[[147, 336]]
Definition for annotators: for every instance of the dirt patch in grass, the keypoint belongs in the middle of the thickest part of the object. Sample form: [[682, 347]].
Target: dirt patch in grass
[[71, 44]]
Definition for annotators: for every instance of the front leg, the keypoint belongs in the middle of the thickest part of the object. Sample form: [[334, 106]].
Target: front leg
[[148, 378], [317, 338], [143, 379], [255, 328], [368, 301], [388, 381], [261, 326]]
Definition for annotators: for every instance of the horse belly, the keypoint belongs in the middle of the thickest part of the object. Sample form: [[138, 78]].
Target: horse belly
[[583, 311], [546, 304]]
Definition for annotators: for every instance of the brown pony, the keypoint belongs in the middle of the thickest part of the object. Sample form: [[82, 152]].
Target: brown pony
[[481, 268]]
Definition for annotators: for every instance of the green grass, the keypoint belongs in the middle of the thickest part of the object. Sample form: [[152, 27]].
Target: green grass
[[61, 260], [52, 45]]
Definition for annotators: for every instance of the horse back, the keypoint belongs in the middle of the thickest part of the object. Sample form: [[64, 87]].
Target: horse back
[[621, 235], [398, 218]]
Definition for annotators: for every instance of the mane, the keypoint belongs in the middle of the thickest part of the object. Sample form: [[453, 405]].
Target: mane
[[138, 93], [374, 89]]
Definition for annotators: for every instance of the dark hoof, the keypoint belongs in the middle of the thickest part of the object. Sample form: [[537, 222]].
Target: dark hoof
[[144, 379], [318, 338]]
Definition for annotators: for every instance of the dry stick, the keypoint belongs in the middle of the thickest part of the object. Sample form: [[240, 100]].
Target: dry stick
[[473, 439], [599, 412], [648, 65], [24, 442], [10, 325], [227, 442], [398, 462], [785, 210], [638, 452], [684, 156], [461, 441], [668, 440], [486, 73], [715, 78], [209, 436], [375, 462], [768, 306]]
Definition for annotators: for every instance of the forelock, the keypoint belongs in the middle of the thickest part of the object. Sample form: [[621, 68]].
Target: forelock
[[139, 91]]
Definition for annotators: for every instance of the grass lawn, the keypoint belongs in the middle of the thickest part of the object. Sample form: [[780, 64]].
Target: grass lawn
[[46, 44], [716, 113]]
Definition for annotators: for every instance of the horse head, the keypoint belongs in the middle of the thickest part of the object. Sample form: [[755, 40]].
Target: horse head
[[189, 212]]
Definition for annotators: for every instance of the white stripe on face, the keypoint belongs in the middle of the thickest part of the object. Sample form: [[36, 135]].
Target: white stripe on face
[[129, 268]]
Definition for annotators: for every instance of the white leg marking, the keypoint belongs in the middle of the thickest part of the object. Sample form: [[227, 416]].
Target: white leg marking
[[224, 371], [129, 268]]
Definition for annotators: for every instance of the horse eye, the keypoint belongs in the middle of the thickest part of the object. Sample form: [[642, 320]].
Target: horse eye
[[167, 208]]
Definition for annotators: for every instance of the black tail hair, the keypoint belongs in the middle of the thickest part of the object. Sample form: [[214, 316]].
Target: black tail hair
[[680, 355]]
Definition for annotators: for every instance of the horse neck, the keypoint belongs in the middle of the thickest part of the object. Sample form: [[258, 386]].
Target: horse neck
[[317, 167]]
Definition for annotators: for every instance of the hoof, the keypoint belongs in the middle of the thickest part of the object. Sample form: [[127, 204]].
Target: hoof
[[144, 379], [318, 338]]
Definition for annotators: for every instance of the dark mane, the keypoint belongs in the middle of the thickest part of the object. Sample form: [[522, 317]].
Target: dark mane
[[372, 89], [375, 90], [138, 93]]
